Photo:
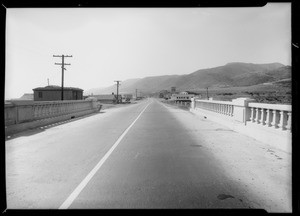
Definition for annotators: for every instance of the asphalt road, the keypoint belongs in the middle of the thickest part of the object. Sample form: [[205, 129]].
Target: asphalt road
[[148, 159]]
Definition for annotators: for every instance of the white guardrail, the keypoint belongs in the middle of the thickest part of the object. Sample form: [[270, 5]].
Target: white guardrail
[[269, 123], [17, 112]]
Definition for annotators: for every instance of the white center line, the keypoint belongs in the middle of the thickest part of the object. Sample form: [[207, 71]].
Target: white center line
[[86, 180]]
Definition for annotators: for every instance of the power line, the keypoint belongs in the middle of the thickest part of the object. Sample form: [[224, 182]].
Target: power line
[[62, 71], [118, 83]]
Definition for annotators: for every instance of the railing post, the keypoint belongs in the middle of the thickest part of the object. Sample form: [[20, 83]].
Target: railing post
[[289, 121], [241, 111], [192, 103]]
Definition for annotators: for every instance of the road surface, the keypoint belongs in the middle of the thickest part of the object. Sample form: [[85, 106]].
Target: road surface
[[144, 155]]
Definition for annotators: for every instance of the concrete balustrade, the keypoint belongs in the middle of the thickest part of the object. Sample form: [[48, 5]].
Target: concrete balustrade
[[49, 109], [222, 107], [271, 115], [269, 123], [22, 115]]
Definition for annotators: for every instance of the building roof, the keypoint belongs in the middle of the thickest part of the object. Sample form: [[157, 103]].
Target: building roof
[[184, 95], [27, 96], [55, 88]]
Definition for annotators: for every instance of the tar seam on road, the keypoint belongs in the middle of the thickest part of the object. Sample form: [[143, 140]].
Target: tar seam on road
[[86, 180]]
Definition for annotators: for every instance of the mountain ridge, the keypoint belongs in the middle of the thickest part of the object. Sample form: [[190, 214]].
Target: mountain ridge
[[233, 74]]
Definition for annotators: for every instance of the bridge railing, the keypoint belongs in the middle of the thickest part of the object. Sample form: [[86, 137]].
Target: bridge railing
[[269, 123], [277, 116], [271, 115], [222, 107], [25, 111]]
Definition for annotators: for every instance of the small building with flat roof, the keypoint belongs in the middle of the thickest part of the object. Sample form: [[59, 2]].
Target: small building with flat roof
[[53, 93]]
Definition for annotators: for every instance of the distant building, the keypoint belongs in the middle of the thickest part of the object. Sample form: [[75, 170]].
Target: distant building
[[53, 93], [107, 98], [182, 96]]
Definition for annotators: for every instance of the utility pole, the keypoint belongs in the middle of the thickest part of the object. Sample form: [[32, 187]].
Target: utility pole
[[48, 81], [62, 71], [118, 83], [135, 93], [207, 93]]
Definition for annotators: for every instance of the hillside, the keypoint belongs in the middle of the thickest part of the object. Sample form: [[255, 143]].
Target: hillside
[[230, 75]]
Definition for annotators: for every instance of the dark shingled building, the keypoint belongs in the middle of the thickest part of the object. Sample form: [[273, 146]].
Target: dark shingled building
[[53, 93]]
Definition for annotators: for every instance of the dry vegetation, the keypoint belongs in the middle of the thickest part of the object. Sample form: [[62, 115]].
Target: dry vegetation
[[275, 93]]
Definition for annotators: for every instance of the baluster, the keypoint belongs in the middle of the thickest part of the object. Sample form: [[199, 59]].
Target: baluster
[[38, 111], [227, 109], [275, 119], [262, 115], [257, 116], [48, 109], [59, 109], [34, 111], [281, 120], [252, 117], [268, 118], [289, 121], [56, 109], [42, 111]]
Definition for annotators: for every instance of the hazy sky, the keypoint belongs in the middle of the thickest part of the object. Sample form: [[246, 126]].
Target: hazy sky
[[110, 44]]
